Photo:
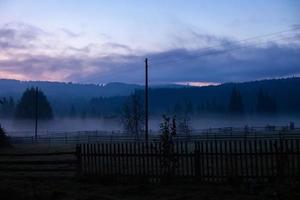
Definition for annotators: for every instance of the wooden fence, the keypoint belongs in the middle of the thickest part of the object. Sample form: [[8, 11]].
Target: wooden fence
[[209, 160], [203, 160]]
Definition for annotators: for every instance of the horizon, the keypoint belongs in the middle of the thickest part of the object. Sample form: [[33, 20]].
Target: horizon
[[190, 84]]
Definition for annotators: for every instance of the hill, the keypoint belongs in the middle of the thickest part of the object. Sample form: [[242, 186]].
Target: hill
[[15, 88], [108, 100]]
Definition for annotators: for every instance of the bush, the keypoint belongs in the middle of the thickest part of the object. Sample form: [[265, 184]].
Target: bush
[[4, 142], [168, 160]]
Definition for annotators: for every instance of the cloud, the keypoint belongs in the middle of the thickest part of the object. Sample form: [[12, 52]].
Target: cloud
[[69, 33], [116, 46], [296, 26], [18, 35], [247, 64], [188, 60]]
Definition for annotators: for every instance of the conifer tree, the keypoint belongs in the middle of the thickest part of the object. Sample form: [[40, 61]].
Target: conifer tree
[[265, 103], [26, 108], [236, 102]]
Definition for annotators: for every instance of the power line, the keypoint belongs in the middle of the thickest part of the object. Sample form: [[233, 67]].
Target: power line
[[249, 39], [214, 49]]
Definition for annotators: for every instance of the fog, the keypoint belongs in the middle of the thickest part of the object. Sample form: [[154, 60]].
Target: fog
[[251, 121], [26, 127]]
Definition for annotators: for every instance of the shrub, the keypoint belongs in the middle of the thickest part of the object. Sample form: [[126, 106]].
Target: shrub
[[4, 142], [168, 160]]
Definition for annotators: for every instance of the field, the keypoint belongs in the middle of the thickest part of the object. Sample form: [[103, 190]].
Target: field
[[56, 189], [49, 185]]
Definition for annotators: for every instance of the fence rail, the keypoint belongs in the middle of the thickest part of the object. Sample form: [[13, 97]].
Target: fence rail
[[207, 134], [215, 161]]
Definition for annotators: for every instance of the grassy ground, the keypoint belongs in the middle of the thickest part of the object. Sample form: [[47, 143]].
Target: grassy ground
[[78, 190], [48, 188]]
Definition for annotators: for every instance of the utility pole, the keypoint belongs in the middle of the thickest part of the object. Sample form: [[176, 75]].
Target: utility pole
[[36, 112], [146, 100]]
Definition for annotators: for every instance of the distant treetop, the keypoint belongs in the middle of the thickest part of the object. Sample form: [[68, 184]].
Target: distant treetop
[[26, 108]]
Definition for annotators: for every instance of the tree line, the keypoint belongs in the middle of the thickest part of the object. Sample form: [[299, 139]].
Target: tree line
[[32, 103], [133, 113], [113, 107], [265, 104]]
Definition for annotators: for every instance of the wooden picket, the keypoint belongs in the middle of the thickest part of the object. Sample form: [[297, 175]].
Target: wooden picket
[[203, 160]]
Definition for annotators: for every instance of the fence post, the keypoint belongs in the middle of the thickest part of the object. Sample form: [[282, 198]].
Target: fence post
[[197, 160], [79, 159]]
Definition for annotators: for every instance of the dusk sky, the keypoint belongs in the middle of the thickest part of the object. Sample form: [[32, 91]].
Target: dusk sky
[[190, 41]]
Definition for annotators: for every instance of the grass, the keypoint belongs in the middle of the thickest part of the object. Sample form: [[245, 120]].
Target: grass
[[48, 189]]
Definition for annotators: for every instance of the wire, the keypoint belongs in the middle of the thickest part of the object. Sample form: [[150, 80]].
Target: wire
[[216, 51]]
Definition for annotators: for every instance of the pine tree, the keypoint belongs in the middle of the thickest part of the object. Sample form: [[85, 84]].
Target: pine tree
[[73, 112], [260, 101], [26, 108], [265, 103], [11, 107], [133, 116], [177, 109], [236, 103], [189, 109], [4, 142], [7, 108]]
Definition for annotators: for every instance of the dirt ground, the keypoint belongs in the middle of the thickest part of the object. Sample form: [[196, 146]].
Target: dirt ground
[[49, 189]]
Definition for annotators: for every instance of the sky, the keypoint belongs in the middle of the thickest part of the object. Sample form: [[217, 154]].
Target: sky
[[192, 41]]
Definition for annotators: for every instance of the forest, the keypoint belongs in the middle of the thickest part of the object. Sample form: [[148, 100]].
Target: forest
[[265, 97]]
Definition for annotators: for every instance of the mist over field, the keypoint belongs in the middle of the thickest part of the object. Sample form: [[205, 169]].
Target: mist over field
[[115, 126]]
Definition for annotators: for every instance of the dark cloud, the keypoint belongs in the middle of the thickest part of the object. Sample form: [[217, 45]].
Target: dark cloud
[[244, 64], [181, 65], [85, 49], [18, 35], [69, 33], [296, 26], [116, 46], [227, 61]]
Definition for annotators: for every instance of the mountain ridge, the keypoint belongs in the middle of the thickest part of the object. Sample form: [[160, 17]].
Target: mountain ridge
[[15, 88]]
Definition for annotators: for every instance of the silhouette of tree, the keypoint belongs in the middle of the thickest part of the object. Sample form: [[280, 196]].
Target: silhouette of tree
[[73, 112], [184, 125], [260, 101], [4, 142], [189, 109], [265, 103], [200, 108], [207, 105], [26, 108], [236, 103], [178, 108], [83, 114], [7, 107], [93, 112], [133, 116], [168, 160]]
